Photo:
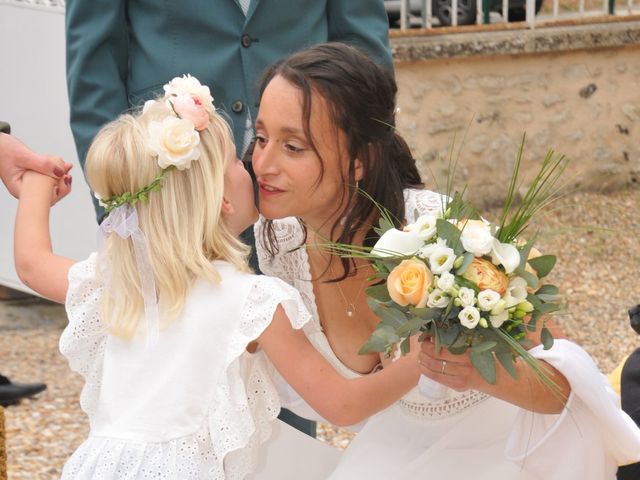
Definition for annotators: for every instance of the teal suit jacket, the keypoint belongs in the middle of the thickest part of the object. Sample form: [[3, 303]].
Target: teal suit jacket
[[121, 52]]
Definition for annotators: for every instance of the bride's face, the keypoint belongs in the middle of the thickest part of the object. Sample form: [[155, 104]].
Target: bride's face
[[293, 179]]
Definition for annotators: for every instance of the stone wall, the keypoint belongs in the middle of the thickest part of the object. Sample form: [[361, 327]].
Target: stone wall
[[574, 89]]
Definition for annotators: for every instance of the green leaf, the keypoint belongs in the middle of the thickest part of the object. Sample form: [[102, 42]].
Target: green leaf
[[506, 360], [546, 308], [485, 363], [531, 279], [392, 316], [543, 265], [546, 338], [484, 346], [426, 313], [411, 327], [382, 338], [451, 234], [463, 282], [468, 258], [405, 346], [448, 336], [378, 292], [548, 289]]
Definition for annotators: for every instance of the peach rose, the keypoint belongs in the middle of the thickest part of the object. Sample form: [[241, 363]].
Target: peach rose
[[409, 283], [486, 276]]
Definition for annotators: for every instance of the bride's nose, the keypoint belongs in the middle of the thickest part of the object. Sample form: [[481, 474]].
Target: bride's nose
[[265, 159]]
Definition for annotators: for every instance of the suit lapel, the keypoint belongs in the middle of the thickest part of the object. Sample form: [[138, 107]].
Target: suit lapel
[[252, 8]]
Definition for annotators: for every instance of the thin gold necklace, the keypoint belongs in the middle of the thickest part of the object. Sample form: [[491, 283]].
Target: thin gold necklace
[[350, 306]]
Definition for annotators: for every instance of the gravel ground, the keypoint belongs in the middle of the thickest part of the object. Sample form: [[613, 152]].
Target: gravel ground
[[594, 235]]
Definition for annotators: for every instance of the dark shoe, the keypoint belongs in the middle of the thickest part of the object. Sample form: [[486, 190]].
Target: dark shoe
[[11, 393]]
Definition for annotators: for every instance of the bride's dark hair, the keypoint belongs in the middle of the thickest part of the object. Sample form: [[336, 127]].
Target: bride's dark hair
[[361, 97]]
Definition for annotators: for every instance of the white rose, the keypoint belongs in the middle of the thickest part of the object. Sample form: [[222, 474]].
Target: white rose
[[466, 296], [446, 281], [469, 317], [498, 320], [516, 291], [441, 259], [395, 242], [175, 141], [438, 299], [476, 237], [487, 299], [188, 85], [506, 255], [424, 226]]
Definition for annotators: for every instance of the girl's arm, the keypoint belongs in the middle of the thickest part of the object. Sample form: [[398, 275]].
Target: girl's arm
[[36, 264], [525, 391], [341, 401]]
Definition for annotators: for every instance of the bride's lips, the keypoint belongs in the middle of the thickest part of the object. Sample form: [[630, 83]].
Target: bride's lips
[[268, 190]]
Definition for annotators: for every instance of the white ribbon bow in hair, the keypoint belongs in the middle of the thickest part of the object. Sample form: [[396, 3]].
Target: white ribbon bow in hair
[[123, 221]]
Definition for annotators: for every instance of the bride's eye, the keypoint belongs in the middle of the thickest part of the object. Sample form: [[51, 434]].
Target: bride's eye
[[292, 148], [260, 140]]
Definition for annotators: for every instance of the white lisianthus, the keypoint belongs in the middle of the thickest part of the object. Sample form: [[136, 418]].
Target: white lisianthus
[[438, 299], [100, 200], [191, 86], [476, 237], [467, 296], [395, 242], [426, 251], [506, 255], [498, 320], [424, 226], [175, 141], [516, 291], [446, 281], [441, 259], [469, 317], [487, 299]]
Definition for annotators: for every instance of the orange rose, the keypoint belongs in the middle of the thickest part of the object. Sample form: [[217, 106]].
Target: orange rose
[[486, 275], [409, 283]]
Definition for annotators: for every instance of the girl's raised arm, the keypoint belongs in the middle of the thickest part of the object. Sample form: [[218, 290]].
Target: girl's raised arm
[[341, 401], [36, 264]]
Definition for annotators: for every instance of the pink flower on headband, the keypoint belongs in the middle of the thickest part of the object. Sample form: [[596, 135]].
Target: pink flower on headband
[[191, 86], [191, 108]]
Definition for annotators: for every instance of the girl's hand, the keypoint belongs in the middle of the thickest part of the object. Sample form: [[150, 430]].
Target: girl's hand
[[454, 371]]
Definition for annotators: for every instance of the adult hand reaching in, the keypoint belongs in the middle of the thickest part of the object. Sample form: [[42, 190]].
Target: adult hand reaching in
[[16, 158]]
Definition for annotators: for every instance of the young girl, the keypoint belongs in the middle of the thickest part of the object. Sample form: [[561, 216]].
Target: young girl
[[166, 323]]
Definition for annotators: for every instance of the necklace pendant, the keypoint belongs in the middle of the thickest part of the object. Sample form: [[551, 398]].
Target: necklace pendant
[[350, 310]]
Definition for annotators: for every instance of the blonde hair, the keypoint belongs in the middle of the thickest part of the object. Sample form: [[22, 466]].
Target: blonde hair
[[182, 221]]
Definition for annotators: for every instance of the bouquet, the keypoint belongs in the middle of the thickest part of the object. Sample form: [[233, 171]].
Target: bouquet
[[470, 283]]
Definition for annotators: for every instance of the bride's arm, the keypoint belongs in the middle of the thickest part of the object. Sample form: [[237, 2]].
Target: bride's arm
[[525, 391], [341, 401]]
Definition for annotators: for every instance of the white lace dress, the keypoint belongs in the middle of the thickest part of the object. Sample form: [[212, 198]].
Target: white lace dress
[[196, 405], [464, 435]]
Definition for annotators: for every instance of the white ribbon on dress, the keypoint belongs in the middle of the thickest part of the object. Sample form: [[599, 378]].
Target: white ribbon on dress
[[123, 221]]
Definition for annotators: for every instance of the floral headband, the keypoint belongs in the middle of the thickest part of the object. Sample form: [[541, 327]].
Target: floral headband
[[176, 139]]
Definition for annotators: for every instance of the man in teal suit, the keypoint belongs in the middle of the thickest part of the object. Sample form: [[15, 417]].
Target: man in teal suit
[[121, 52]]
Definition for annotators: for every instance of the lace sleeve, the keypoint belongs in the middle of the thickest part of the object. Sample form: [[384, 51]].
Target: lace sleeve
[[421, 202], [288, 236], [242, 411]]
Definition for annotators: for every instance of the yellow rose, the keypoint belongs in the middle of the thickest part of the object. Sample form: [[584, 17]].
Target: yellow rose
[[409, 283], [486, 276]]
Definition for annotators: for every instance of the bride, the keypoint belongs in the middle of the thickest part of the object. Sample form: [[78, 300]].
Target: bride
[[324, 131]]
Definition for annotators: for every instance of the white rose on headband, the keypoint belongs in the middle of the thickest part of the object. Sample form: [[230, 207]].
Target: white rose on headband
[[190, 108], [188, 85], [175, 141]]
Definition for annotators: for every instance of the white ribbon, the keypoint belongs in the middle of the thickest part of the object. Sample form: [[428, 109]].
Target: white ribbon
[[123, 221]]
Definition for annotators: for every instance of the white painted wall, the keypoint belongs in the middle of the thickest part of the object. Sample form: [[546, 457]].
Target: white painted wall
[[33, 98]]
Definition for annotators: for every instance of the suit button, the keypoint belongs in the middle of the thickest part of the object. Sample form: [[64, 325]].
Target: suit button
[[246, 41], [237, 106]]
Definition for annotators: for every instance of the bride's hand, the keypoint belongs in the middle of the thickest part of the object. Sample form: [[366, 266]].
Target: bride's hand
[[454, 371]]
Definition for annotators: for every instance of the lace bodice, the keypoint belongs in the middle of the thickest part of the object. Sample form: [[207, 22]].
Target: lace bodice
[[291, 264], [195, 405]]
